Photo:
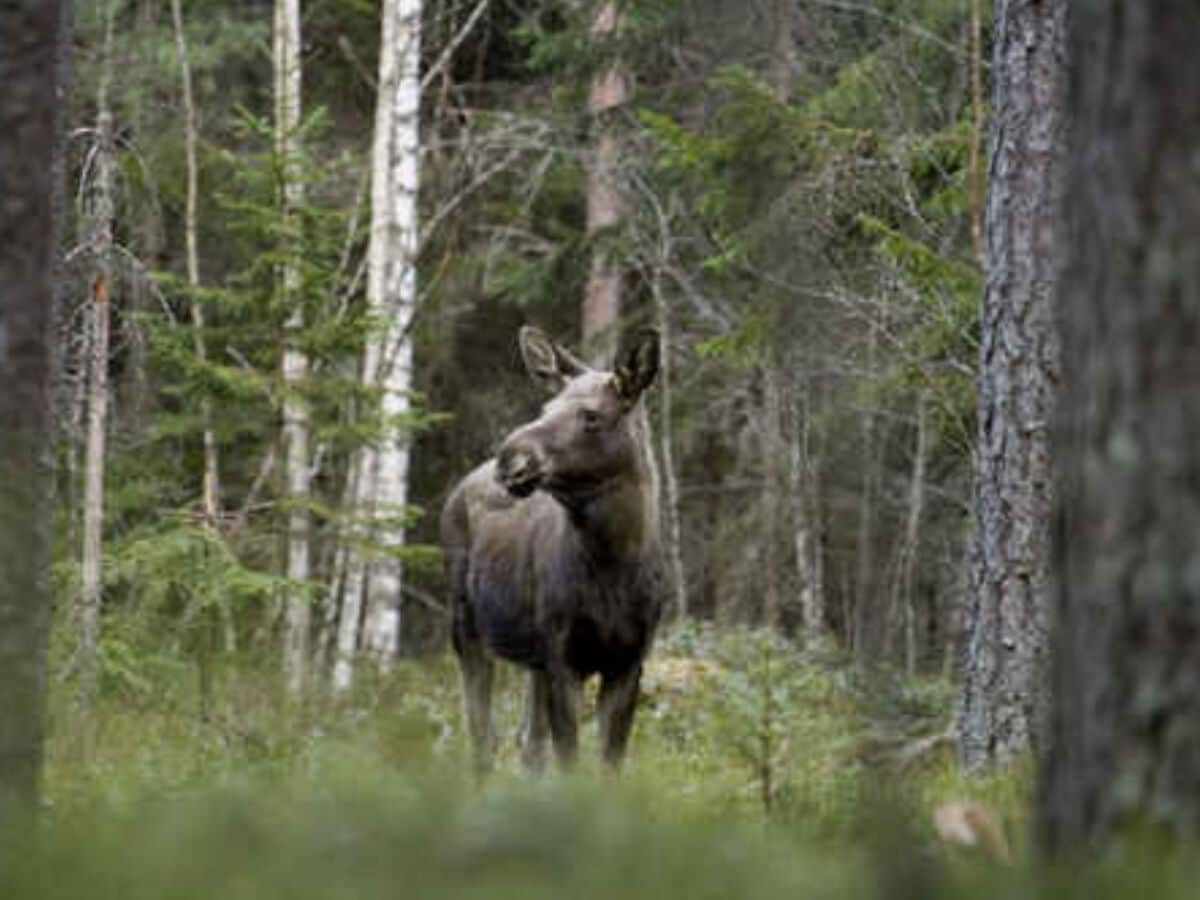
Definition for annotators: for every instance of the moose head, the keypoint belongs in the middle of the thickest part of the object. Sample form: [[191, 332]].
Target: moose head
[[586, 439]]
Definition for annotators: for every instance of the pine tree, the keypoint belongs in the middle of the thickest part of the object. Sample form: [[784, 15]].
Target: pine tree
[[35, 35], [1002, 696], [1124, 748]]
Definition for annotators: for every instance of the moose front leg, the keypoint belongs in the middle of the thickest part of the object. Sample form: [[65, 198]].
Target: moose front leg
[[536, 730], [477, 670], [615, 708], [562, 708]]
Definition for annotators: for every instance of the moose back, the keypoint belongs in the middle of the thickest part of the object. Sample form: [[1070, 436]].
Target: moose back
[[553, 556]]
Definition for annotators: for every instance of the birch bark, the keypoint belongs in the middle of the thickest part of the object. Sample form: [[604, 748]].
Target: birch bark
[[297, 610], [100, 239], [671, 516], [382, 473]]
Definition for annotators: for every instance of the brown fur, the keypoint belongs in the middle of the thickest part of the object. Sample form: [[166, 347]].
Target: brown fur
[[552, 554]]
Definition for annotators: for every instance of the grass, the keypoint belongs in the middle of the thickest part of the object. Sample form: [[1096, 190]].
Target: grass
[[756, 771]]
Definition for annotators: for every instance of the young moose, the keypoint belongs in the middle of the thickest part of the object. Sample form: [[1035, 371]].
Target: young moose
[[552, 553]]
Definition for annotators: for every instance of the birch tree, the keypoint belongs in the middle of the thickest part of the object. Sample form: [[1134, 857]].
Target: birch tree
[[381, 473], [31, 70], [1002, 686], [99, 241], [1124, 748], [286, 59]]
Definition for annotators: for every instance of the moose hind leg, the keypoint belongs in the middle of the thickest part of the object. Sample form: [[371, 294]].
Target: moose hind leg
[[615, 708], [477, 670], [536, 729]]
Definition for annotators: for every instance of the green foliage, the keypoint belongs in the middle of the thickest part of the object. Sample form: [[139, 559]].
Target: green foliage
[[371, 833], [755, 143], [741, 347], [247, 795]]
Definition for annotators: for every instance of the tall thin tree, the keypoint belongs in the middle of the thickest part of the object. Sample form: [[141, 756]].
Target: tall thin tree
[[781, 58], [98, 221], [210, 497], [1002, 694], [606, 204], [297, 611], [381, 488]]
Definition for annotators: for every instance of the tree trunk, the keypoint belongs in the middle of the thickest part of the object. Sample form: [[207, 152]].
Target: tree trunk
[[781, 56], [100, 239], [286, 47], [671, 516], [806, 519], [605, 200], [355, 581], [1124, 743], [211, 487], [329, 636], [34, 34], [382, 473], [392, 296], [865, 580], [1002, 695], [781, 53], [775, 484], [975, 184], [912, 540]]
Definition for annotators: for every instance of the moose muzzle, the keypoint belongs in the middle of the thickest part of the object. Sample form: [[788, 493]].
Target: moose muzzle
[[519, 467]]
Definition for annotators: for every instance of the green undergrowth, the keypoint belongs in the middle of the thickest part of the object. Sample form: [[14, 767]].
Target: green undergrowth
[[757, 769]]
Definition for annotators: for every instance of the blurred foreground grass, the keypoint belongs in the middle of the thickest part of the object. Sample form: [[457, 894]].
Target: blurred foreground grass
[[755, 771]]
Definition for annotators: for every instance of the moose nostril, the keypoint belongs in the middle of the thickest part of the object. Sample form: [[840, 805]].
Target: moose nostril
[[514, 462], [518, 470]]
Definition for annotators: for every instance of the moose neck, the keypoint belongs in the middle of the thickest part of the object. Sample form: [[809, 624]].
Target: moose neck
[[618, 522]]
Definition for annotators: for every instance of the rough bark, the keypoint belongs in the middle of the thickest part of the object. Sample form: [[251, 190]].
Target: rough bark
[[1003, 678], [606, 204], [286, 48], [33, 75], [1125, 729], [382, 472]]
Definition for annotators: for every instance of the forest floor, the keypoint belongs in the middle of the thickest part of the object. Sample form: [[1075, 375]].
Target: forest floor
[[756, 770]]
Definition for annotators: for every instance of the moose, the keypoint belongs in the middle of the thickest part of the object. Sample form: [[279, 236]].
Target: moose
[[553, 557]]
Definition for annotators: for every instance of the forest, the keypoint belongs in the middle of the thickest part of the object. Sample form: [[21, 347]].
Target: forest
[[901, 308]]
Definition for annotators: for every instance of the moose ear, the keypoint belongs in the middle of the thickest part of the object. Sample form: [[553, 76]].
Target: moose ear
[[548, 363], [637, 366]]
